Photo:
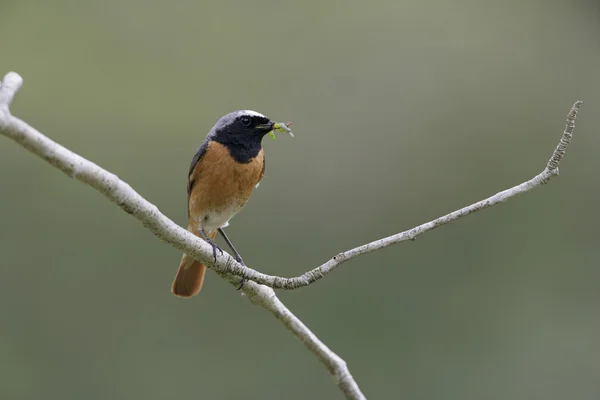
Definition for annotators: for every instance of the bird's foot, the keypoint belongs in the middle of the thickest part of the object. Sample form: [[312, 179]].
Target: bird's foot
[[242, 282], [215, 247]]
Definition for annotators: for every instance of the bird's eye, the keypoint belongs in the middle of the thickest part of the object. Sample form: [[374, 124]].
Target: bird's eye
[[245, 121]]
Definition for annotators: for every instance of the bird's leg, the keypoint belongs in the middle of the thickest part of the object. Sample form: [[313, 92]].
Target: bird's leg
[[238, 258], [211, 242]]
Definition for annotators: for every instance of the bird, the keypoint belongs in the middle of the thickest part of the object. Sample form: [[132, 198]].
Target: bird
[[224, 172]]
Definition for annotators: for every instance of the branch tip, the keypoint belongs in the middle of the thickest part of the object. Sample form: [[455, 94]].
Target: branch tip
[[561, 149], [9, 87]]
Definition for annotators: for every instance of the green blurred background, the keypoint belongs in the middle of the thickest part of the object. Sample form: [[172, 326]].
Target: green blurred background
[[403, 111]]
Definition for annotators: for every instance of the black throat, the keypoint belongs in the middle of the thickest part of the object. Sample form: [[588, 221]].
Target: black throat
[[242, 151]]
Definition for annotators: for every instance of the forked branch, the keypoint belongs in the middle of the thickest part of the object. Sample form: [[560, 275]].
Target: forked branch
[[129, 200]]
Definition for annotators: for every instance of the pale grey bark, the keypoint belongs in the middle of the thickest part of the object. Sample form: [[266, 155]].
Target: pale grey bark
[[129, 200]]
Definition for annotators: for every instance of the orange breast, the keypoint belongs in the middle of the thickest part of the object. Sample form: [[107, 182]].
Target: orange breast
[[222, 185]]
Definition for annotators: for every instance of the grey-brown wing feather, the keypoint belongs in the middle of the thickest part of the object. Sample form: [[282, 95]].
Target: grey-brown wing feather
[[195, 160]]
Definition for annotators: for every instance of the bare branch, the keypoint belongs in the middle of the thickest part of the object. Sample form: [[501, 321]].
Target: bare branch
[[266, 297], [129, 200]]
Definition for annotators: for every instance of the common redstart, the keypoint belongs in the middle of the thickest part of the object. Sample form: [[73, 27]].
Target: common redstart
[[224, 171]]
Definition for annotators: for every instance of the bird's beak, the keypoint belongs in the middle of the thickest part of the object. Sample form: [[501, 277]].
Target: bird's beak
[[266, 127]]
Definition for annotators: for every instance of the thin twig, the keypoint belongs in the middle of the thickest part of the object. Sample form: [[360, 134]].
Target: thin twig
[[129, 200]]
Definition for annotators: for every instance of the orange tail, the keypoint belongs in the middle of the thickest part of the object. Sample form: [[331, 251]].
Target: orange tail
[[190, 276]]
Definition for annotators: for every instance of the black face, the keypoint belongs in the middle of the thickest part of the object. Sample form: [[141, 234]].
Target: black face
[[242, 134]]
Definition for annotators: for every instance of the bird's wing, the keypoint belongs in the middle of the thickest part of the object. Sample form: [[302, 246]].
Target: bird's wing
[[195, 160], [262, 173]]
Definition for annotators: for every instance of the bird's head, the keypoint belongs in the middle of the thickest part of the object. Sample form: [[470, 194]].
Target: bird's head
[[243, 127]]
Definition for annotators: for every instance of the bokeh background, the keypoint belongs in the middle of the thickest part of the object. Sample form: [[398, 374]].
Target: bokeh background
[[403, 111]]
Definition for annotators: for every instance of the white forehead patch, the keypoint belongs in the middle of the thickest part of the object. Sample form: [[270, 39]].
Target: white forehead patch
[[253, 113]]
